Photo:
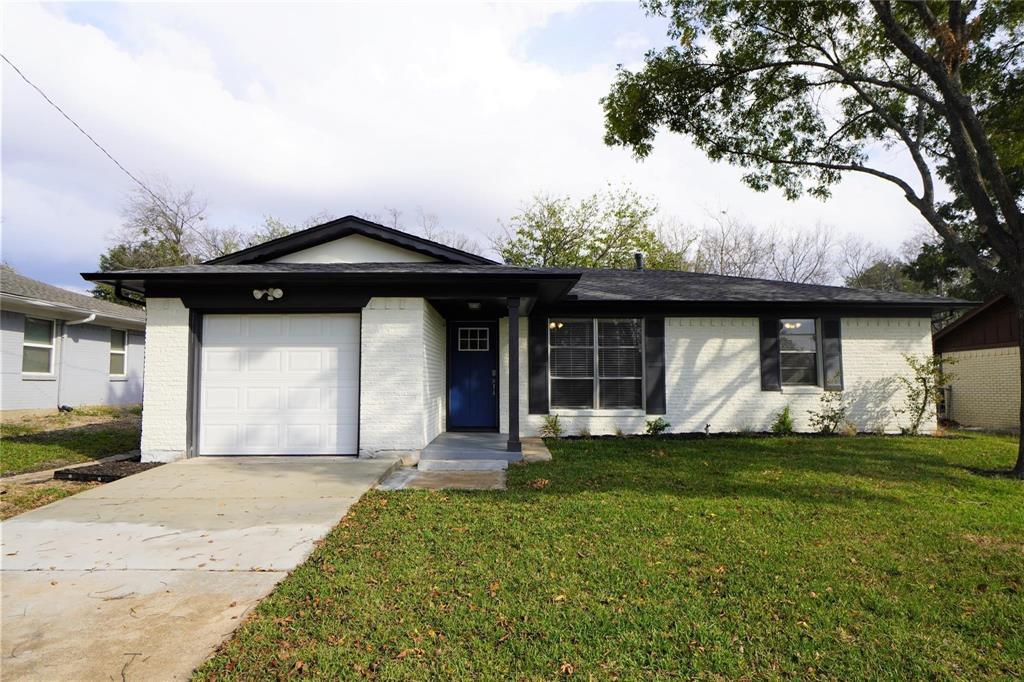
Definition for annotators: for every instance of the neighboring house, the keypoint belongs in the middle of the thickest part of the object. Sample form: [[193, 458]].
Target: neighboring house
[[351, 337], [63, 348], [985, 391]]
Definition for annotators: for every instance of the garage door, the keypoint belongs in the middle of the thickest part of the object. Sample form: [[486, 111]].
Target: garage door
[[279, 385]]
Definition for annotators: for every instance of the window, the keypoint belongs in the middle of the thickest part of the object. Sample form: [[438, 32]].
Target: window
[[37, 347], [798, 349], [596, 363], [474, 338], [118, 352]]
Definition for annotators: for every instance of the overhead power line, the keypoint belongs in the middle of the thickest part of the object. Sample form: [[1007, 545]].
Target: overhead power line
[[110, 156]]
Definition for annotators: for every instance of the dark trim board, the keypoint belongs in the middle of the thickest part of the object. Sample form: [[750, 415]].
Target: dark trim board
[[195, 355], [195, 358]]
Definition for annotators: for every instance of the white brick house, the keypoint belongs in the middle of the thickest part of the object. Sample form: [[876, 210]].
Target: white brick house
[[353, 338]]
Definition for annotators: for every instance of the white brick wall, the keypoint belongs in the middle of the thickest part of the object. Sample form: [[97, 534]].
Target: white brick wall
[[712, 377], [434, 377], [986, 387], [401, 404], [165, 394]]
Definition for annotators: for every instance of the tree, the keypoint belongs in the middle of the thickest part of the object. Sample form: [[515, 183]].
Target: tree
[[730, 246], [168, 227], [429, 227], [802, 94], [604, 230]]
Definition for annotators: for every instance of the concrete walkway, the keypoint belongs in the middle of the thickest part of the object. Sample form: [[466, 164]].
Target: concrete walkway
[[142, 578]]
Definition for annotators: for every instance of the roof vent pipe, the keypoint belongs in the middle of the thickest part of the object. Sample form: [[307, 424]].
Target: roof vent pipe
[[639, 260]]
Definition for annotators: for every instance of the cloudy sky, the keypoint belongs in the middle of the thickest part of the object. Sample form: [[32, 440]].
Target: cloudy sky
[[464, 111]]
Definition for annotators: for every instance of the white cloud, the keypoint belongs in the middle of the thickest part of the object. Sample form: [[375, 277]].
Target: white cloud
[[291, 110], [633, 41]]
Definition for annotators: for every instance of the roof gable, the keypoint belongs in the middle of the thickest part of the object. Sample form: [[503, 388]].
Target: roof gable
[[287, 248]]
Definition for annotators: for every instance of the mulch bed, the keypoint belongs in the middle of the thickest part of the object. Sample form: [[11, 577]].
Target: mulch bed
[[105, 472]]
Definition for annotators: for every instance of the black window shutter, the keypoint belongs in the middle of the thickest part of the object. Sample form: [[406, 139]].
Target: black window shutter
[[832, 353], [770, 377], [654, 361], [537, 364]]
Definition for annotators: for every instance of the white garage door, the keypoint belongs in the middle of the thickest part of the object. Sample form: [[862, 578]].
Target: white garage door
[[279, 385]]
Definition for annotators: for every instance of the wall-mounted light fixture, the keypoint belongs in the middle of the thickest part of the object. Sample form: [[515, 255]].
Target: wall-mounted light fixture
[[473, 305], [272, 294], [555, 325]]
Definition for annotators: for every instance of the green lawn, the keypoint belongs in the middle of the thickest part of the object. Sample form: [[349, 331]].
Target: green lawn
[[840, 558], [51, 441]]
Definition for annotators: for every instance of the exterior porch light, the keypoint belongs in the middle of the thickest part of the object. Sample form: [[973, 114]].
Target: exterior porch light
[[474, 305]]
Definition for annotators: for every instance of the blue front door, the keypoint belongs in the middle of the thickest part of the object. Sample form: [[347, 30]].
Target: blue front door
[[473, 375]]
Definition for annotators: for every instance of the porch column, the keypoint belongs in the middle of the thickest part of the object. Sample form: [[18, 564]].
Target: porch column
[[513, 376]]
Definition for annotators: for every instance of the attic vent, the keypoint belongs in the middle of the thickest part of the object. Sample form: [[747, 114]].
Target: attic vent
[[639, 260]]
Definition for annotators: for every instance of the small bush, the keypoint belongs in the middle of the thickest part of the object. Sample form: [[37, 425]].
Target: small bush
[[783, 424], [619, 433], [584, 433], [656, 427], [923, 388], [831, 412], [551, 428], [848, 428]]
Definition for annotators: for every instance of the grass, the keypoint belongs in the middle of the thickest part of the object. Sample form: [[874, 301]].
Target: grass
[[53, 440], [18, 498], [838, 558]]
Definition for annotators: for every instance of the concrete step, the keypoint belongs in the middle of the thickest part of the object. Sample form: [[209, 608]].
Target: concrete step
[[462, 465]]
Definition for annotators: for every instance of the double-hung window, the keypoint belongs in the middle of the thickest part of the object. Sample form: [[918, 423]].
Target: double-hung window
[[798, 352], [37, 346], [596, 363], [118, 352]]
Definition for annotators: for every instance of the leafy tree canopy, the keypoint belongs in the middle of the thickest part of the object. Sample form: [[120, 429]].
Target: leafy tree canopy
[[604, 230], [799, 94]]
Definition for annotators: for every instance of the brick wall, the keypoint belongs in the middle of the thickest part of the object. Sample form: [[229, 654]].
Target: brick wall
[[986, 387], [712, 377], [434, 373], [401, 403], [165, 394]]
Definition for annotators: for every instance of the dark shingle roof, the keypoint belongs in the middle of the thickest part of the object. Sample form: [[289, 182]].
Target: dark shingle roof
[[15, 284], [672, 285], [596, 286]]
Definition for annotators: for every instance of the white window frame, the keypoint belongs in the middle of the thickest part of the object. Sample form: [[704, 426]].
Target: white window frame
[[124, 352], [51, 347], [596, 376], [818, 383]]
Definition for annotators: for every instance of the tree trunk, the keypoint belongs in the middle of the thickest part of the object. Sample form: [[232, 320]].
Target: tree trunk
[[1018, 468]]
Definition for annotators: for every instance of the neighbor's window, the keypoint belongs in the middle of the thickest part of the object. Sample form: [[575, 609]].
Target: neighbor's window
[[37, 347], [612, 347], [798, 348], [118, 352]]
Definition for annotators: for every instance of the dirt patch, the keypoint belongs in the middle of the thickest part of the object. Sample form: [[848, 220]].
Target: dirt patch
[[84, 420], [989, 542], [18, 498], [105, 472]]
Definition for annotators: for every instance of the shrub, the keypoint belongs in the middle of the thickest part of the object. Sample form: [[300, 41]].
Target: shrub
[[655, 427], [923, 387], [783, 424], [831, 412], [551, 428], [848, 428], [584, 433], [619, 433]]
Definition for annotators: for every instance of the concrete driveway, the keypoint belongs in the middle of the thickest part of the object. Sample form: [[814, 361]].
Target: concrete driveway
[[141, 579]]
